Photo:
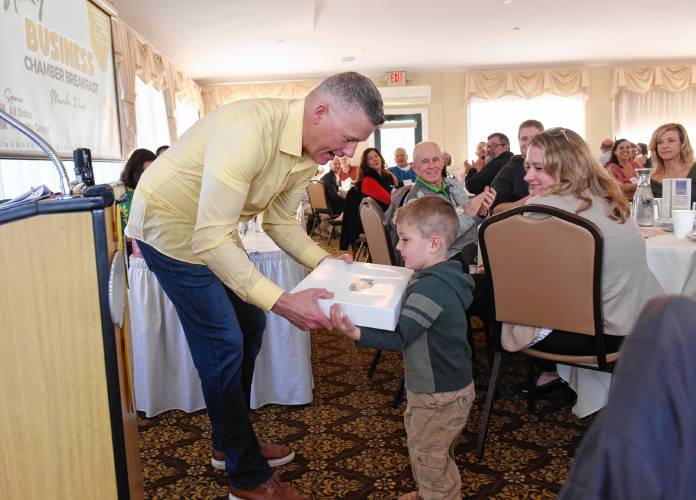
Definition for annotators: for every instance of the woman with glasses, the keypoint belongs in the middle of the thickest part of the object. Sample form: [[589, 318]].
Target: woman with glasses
[[672, 156], [562, 173], [622, 166]]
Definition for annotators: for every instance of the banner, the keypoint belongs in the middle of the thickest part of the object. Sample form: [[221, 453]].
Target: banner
[[57, 77]]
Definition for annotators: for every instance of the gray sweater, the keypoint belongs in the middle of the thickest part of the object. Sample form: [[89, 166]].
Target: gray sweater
[[432, 330], [468, 226]]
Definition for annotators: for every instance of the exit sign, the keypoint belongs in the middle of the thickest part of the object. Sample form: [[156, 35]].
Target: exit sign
[[396, 78]]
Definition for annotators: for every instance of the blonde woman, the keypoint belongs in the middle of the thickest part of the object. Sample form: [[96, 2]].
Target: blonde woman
[[562, 173], [672, 157]]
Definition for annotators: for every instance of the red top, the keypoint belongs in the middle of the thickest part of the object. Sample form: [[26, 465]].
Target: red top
[[619, 173], [352, 173], [370, 187]]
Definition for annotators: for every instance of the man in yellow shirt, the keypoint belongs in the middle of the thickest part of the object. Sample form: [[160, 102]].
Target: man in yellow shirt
[[242, 159]]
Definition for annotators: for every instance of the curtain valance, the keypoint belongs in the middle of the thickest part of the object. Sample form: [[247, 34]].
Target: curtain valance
[[526, 83], [642, 79]]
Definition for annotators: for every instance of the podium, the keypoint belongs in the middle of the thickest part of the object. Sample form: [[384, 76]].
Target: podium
[[67, 413]]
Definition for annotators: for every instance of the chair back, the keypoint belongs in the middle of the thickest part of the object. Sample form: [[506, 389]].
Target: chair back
[[317, 197], [545, 266], [376, 232]]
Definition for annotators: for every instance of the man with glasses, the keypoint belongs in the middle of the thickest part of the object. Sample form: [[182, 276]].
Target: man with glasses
[[510, 186], [498, 152]]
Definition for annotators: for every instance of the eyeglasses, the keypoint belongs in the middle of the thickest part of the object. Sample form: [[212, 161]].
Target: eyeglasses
[[557, 132], [493, 146]]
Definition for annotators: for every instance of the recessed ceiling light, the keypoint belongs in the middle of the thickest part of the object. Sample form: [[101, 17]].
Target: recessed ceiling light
[[348, 59], [360, 49], [506, 2], [280, 41], [516, 28], [587, 39]]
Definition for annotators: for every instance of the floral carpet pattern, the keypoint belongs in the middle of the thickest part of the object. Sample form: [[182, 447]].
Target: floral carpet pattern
[[351, 444]]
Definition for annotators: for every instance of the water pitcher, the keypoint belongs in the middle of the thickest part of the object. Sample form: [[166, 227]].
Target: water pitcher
[[643, 210]]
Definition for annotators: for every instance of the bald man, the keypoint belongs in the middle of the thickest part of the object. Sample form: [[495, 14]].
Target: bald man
[[402, 170], [427, 162]]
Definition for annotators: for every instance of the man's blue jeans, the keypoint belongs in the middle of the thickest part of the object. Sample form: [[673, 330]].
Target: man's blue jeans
[[224, 335]]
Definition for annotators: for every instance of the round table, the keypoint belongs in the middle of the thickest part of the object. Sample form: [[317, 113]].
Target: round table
[[673, 262], [164, 375]]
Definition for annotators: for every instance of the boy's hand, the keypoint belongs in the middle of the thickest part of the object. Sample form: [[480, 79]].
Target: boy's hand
[[343, 324]]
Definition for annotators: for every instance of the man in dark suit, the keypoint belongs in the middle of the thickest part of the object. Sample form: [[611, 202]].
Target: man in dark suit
[[498, 150]]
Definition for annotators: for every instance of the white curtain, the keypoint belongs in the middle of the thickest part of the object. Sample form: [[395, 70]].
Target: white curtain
[[186, 115], [636, 116], [150, 116], [505, 114]]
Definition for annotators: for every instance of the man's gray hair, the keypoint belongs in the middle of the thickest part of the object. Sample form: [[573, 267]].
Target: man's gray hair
[[354, 90]]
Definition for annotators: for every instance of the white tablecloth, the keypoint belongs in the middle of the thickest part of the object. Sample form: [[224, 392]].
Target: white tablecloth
[[673, 262], [164, 375]]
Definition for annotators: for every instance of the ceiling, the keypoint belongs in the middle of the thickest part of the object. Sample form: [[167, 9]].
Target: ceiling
[[217, 41]]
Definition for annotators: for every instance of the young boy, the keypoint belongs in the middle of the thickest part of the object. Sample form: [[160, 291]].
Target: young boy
[[432, 335]]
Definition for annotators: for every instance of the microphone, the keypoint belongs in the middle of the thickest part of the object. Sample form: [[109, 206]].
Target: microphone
[[83, 166]]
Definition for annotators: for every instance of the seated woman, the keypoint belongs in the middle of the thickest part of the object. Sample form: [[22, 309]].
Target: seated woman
[[562, 173], [672, 157], [374, 179], [139, 160], [622, 167]]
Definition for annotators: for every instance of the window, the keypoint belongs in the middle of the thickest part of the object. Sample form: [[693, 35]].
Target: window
[[402, 129], [636, 116], [150, 116], [186, 115], [18, 176], [505, 114]]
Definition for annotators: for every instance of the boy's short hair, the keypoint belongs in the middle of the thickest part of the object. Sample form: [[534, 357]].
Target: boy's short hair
[[430, 214]]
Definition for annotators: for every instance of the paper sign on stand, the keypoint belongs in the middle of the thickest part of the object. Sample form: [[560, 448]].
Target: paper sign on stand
[[369, 294]]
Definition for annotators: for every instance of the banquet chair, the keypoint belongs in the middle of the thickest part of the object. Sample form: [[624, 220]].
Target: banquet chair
[[552, 278], [381, 250], [321, 211], [376, 232]]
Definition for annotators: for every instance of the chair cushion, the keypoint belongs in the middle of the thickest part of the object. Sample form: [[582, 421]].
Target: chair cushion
[[565, 358]]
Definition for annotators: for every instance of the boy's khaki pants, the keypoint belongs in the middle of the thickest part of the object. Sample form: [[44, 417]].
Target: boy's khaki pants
[[433, 423]]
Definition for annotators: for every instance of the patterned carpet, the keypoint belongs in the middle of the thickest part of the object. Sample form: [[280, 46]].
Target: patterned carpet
[[351, 444]]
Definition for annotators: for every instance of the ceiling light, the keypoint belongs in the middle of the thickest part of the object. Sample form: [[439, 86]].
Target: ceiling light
[[587, 39], [359, 49], [348, 59], [516, 28], [280, 41], [506, 2]]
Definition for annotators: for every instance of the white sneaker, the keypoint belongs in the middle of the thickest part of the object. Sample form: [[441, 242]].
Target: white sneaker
[[274, 462]]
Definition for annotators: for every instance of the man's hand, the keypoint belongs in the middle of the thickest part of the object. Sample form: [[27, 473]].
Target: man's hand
[[343, 323], [345, 257], [480, 204], [302, 309], [468, 166]]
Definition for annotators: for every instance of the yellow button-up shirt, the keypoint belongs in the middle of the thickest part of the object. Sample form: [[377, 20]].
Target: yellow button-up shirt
[[242, 159]]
